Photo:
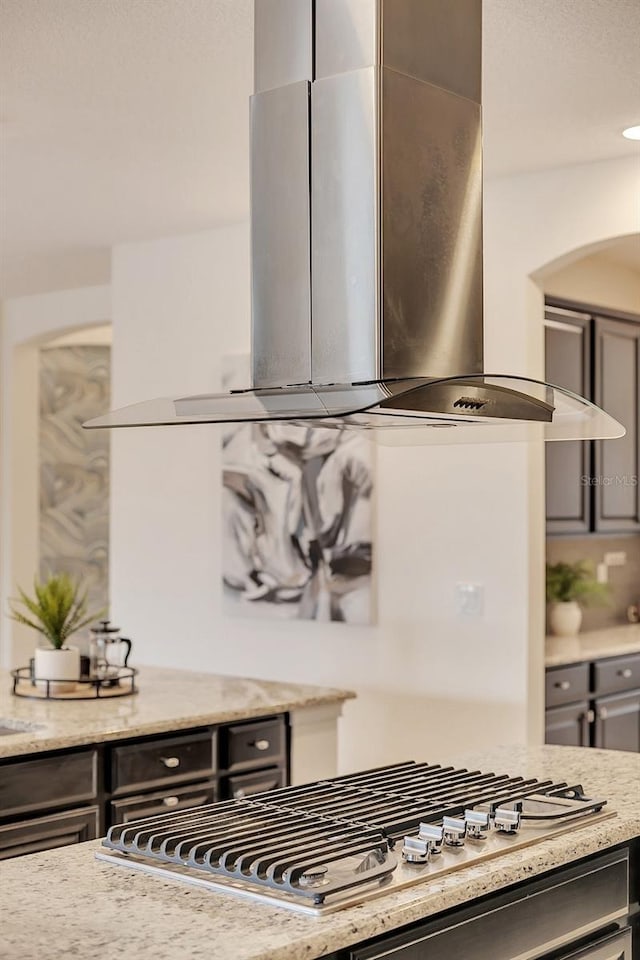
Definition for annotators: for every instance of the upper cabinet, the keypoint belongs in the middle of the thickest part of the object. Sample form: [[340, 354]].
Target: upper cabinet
[[617, 389], [568, 364], [592, 487]]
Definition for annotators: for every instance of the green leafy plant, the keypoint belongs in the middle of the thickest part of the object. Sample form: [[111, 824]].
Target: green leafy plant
[[57, 610], [574, 581]]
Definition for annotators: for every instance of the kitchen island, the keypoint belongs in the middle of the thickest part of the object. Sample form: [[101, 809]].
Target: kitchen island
[[168, 700], [66, 903], [71, 768]]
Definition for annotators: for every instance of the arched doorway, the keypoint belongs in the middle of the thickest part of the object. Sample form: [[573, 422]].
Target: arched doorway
[[68, 322]]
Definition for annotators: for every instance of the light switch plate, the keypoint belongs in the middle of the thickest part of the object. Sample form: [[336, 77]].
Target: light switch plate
[[469, 599]]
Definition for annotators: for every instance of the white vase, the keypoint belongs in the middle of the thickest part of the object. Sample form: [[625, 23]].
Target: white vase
[[61, 667], [565, 618]]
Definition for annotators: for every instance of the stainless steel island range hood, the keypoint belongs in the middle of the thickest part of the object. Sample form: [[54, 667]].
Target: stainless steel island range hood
[[366, 226]]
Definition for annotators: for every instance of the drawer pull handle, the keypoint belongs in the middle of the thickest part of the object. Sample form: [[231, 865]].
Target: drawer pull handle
[[563, 685], [261, 744], [626, 673], [170, 762], [171, 801], [603, 714], [238, 794]]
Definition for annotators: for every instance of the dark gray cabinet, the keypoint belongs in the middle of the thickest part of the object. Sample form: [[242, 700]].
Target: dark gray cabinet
[[166, 760], [568, 364], [568, 726], [592, 487], [67, 796], [153, 804], [47, 833], [566, 915], [617, 722], [595, 704], [617, 390]]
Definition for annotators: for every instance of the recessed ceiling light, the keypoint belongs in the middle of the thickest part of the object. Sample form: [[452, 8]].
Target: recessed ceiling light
[[632, 133]]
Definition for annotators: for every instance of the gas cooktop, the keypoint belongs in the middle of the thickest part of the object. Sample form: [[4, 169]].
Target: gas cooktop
[[338, 842]]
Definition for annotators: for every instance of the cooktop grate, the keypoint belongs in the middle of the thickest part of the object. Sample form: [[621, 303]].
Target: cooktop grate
[[327, 837]]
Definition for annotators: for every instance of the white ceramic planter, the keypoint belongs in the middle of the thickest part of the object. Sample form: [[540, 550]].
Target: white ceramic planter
[[565, 618], [61, 666]]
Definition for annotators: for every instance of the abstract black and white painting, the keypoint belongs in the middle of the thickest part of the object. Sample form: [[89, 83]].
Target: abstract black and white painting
[[297, 519]]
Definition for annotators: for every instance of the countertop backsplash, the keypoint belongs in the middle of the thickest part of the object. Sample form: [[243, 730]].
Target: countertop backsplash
[[624, 581]]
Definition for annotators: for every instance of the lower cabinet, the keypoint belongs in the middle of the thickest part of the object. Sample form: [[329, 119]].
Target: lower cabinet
[[47, 833], [154, 804], [246, 784], [617, 722], [50, 800], [595, 704], [575, 913], [568, 726]]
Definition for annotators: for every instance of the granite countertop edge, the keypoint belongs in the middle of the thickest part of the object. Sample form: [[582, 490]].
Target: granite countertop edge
[[58, 725], [617, 641]]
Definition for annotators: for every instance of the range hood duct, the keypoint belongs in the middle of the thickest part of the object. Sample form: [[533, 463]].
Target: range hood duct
[[366, 234]]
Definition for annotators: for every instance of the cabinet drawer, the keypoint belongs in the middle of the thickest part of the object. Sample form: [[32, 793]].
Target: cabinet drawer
[[567, 684], [154, 804], [151, 763], [618, 946], [614, 676], [52, 781], [249, 744], [541, 917], [47, 833], [246, 784]]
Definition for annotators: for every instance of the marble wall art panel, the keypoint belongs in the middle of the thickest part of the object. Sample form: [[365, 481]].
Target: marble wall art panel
[[297, 519], [74, 467]]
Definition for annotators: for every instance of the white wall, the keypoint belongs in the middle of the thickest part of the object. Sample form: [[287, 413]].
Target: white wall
[[596, 280], [27, 324], [427, 682], [421, 674]]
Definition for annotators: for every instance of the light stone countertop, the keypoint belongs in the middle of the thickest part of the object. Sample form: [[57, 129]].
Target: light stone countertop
[[65, 903], [168, 700], [593, 645]]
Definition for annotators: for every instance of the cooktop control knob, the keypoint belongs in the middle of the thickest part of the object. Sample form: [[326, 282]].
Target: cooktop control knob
[[507, 821], [478, 824], [433, 835], [416, 850], [454, 831]]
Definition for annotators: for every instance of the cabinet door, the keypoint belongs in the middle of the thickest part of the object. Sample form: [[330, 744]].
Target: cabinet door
[[48, 833], [618, 722], [568, 726], [568, 464], [617, 382]]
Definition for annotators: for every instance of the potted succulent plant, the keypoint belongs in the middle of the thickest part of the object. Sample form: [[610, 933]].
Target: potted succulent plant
[[569, 585], [57, 610]]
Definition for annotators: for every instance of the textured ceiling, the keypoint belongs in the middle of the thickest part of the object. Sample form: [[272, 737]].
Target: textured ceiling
[[128, 119]]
